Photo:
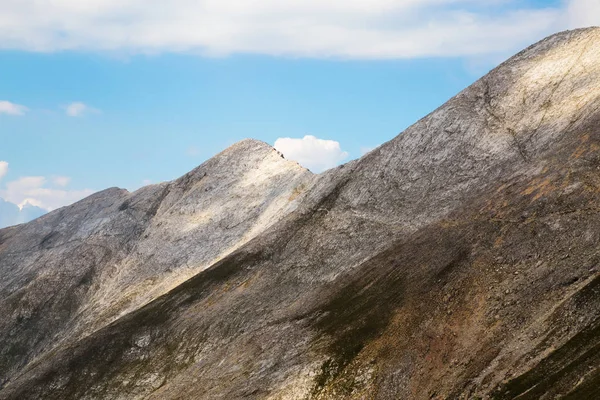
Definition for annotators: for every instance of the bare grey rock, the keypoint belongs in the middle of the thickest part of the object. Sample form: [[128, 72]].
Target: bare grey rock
[[77, 269], [430, 268]]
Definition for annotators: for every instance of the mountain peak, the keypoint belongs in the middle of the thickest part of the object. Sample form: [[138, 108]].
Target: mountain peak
[[249, 145], [246, 155], [459, 260], [248, 152]]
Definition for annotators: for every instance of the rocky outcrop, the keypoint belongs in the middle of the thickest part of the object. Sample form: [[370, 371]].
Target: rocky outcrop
[[77, 269], [458, 260]]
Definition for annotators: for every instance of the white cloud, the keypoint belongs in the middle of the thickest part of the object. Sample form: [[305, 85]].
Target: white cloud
[[6, 107], [583, 13], [77, 109], [61, 181], [306, 28], [3, 169], [311, 152], [36, 191]]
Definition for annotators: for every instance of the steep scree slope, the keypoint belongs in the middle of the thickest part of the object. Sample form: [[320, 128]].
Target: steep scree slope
[[458, 260], [77, 269]]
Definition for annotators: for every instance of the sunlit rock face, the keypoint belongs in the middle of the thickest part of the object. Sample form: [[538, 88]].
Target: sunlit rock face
[[75, 270], [458, 260]]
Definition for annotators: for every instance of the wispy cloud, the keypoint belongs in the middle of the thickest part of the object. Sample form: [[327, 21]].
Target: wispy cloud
[[61, 181], [311, 152], [78, 109], [6, 107], [371, 29], [40, 191]]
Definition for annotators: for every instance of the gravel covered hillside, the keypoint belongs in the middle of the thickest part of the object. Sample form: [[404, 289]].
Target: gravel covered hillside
[[459, 260]]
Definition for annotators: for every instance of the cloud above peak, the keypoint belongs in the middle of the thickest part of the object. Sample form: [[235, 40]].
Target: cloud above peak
[[311, 152], [365, 29], [582, 13]]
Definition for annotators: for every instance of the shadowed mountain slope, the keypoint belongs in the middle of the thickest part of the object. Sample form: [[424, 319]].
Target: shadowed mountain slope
[[458, 260]]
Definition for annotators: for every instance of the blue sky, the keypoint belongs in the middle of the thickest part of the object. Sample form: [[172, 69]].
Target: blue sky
[[122, 93]]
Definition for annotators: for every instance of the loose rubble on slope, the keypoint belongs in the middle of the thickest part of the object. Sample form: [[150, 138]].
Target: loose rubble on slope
[[458, 260]]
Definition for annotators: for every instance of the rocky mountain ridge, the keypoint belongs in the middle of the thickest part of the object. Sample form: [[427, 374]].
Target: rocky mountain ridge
[[115, 251], [458, 260]]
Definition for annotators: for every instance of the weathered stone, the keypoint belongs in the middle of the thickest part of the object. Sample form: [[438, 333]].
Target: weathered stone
[[249, 277]]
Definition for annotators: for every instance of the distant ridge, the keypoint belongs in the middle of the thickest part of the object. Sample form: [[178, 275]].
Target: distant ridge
[[11, 214]]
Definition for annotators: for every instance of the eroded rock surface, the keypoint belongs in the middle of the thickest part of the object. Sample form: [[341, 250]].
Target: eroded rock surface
[[458, 260], [76, 270]]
